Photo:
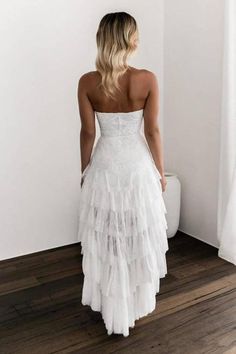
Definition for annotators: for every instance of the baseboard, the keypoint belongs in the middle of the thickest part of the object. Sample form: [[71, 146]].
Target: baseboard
[[198, 238]]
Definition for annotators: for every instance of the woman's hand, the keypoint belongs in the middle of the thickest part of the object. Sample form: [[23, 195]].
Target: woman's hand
[[163, 182]]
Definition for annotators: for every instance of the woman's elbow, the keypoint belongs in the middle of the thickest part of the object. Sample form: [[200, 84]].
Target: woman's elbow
[[87, 134], [152, 133]]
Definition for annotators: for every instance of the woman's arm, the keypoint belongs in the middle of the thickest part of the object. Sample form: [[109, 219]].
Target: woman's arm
[[88, 126], [151, 127]]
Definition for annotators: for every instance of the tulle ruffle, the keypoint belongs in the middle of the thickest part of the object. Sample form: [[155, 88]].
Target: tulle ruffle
[[122, 230]]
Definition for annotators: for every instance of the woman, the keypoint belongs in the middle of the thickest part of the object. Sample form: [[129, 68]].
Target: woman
[[122, 224]]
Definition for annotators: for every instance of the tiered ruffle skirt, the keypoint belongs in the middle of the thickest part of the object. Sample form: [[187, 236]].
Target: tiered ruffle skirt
[[122, 230]]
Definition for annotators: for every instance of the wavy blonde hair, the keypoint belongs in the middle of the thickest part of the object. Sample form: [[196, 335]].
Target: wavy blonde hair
[[115, 43]]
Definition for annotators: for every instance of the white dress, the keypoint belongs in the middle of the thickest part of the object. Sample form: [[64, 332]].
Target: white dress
[[122, 224]]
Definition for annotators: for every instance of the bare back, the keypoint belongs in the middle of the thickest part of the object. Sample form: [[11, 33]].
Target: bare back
[[135, 88]]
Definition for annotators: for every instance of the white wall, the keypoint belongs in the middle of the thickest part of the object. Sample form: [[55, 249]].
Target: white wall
[[192, 97], [45, 47]]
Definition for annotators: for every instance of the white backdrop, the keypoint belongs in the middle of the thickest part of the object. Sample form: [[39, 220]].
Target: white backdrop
[[45, 47]]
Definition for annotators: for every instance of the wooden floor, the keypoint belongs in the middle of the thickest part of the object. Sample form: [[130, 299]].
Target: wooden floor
[[41, 310]]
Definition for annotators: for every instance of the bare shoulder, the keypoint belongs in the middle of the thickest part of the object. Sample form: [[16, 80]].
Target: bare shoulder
[[148, 77], [88, 79]]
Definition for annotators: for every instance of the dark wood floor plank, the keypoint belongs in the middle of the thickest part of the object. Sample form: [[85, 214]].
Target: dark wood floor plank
[[41, 310]]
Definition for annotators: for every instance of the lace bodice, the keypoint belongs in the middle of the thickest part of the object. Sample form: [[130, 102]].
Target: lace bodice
[[121, 148], [119, 124]]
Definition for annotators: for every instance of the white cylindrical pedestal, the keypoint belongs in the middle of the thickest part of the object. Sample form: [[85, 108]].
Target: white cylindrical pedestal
[[172, 198]]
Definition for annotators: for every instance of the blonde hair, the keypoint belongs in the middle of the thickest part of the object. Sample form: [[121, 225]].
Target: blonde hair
[[115, 44]]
